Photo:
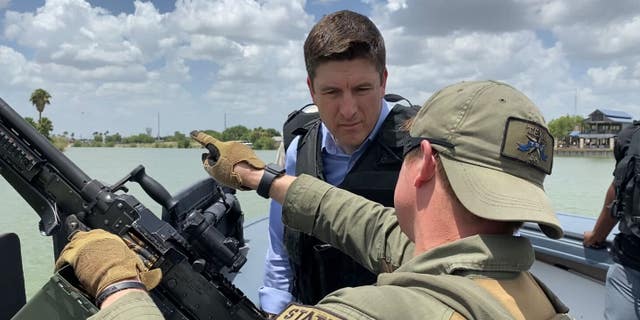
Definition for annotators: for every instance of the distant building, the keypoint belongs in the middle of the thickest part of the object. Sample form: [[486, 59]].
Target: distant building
[[600, 129]]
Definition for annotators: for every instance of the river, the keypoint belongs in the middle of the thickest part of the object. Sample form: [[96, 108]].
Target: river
[[577, 185]]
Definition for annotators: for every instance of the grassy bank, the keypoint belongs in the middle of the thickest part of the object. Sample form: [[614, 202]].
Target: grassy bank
[[60, 142], [156, 144], [185, 144]]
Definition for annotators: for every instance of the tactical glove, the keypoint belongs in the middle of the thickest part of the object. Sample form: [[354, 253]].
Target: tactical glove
[[100, 258], [223, 156]]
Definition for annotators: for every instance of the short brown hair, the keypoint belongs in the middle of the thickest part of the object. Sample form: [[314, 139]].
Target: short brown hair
[[344, 35], [505, 226]]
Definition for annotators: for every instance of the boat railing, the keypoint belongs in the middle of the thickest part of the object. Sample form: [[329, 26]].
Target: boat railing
[[568, 253]]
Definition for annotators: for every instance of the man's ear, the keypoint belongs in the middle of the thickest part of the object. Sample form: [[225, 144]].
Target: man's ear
[[310, 86], [383, 82], [427, 168]]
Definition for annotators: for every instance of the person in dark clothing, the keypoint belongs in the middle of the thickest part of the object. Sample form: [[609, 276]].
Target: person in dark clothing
[[622, 299]]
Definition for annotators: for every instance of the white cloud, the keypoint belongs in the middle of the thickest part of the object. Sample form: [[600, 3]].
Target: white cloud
[[606, 76], [588, 12], [243, 20], [441, 17], [395, 5], [614, 78], [420, 64], [70, 32], [618, 40], [264, 79], [548, 49], [16, 70], [244, 58], [325, 1], [85, 54]]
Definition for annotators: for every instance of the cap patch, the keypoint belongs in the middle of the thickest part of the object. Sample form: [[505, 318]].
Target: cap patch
[[528, 142], [298, 312]]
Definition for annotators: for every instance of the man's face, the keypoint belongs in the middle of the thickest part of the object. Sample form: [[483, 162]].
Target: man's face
[[348, 95]]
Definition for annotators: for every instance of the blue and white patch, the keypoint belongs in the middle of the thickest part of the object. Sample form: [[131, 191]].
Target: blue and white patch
[[528, 142]]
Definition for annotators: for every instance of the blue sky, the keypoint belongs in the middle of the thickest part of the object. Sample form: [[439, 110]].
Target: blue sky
[[117, 65]]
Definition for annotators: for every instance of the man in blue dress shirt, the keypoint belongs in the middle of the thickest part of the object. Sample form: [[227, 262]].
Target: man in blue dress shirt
[[355, 143]]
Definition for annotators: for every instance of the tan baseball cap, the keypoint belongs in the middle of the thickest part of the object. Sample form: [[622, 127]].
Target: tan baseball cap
[[501, 151]]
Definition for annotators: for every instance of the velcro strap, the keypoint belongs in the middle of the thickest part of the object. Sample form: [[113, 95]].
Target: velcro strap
[[118, 286]]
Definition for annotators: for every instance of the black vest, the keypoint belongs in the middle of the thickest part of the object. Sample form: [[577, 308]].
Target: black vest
[[319, 268], [626, 206]]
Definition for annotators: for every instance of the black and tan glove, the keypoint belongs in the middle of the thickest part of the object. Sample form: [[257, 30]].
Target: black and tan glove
[[100, 258], [223, 156]]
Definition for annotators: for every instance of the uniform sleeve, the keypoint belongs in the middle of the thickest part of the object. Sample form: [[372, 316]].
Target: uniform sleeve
[[275, 293], [133, 305], [338, 217]]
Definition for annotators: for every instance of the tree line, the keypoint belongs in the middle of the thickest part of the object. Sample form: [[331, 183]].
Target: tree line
[[561, 127], [260, 138]]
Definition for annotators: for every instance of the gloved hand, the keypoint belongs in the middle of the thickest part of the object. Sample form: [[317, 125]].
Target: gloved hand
[[223, 156], [100, 258]]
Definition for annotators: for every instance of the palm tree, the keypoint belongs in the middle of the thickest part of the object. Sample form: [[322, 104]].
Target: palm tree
[[45, 127], [40, 98]]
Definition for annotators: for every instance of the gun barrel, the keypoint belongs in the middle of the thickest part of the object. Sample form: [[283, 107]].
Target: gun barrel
[[28, 133]]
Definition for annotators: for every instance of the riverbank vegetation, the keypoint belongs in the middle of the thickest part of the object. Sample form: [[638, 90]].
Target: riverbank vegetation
[[562, 126], [259, 138], [561, 129]]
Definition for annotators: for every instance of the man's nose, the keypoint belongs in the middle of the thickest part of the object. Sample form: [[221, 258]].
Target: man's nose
[[348, 106]]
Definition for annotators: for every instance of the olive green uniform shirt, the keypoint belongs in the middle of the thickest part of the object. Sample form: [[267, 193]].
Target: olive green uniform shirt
[[432, 285], [134, 305]]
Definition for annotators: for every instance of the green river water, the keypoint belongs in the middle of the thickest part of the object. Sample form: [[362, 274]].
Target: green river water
[[577, 185]]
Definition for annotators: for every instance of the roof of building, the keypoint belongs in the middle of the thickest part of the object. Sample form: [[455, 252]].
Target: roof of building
[[596, 135], [615, 114]]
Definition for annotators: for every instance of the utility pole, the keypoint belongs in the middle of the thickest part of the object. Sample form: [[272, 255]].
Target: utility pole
[[158, 136], [225, 121], [575, 103]]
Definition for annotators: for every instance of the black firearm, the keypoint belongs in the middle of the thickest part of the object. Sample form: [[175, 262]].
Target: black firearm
[[197, 241]]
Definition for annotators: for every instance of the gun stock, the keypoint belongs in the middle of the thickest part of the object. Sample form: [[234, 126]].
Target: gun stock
[[197, 241]]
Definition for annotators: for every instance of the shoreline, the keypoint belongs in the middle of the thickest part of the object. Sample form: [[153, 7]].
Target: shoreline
[[153, 145], [589, 153]]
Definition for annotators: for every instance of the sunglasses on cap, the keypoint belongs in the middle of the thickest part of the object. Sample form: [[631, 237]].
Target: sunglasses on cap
[[414, 142]]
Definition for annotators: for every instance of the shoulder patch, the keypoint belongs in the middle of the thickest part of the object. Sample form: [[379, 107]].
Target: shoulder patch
[[301, 312], [528, 142]]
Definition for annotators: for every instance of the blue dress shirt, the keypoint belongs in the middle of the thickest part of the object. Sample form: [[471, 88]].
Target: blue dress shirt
[[275, 294]]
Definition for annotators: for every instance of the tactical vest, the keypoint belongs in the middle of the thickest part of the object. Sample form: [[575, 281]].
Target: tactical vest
[[319, 268], [626, 206]]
